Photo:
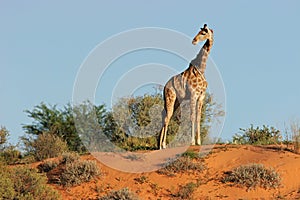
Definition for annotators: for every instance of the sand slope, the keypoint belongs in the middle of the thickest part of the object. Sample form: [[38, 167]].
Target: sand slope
[[221, 159]]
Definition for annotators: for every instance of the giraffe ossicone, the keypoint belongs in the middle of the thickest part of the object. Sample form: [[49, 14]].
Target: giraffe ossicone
[[191, 85]]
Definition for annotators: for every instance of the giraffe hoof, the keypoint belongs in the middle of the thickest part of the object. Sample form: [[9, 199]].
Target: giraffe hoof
[[193, 143], [163, 146]]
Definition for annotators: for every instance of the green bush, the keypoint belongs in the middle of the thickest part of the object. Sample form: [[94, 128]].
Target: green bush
[[123, 194], [59, 122], [258, 136], [46, 145], [25, 183], [78, 172], [252, 176]]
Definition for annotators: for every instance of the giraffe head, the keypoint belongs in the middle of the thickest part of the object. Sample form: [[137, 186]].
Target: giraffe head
[[204, 34]]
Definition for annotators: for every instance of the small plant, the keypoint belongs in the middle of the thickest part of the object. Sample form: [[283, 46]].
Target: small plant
[[78, 172], [186, 191], [182, 164], [155, 188], [123, 194], [69, 157], [47, 166], [252, 176]]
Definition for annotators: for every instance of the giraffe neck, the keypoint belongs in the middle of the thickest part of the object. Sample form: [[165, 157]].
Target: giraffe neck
[[200, 61]]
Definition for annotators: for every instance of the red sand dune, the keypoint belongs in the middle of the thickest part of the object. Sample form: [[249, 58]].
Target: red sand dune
[[222, 158]]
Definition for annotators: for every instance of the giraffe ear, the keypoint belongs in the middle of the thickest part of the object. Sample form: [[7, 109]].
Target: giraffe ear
[[211, 30]]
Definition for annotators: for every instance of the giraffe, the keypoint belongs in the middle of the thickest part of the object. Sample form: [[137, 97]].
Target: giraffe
[[190, 84]]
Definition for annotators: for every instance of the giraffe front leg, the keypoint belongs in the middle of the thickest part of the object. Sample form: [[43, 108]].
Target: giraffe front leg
[[199, 112], [193, 118]]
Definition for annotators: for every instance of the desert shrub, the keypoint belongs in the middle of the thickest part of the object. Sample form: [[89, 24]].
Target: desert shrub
[[257, 136], [185, 191], [25, 183], [78, 172], [252, 176], [10, 155], [69, 157], [122, 194], [182, 164], [46, 145], [47, 166]]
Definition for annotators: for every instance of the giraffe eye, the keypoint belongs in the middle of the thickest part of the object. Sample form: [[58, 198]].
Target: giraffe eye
[[203, 33]]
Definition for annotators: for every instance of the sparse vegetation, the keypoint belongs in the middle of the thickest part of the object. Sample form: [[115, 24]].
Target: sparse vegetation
[[122, 194], [257, 136], [78, 172], [252, 176]]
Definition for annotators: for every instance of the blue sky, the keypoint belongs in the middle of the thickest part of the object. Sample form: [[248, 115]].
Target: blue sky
[[256, 49]]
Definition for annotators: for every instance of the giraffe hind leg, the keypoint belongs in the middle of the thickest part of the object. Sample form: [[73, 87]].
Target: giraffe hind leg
[[169, 108]]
